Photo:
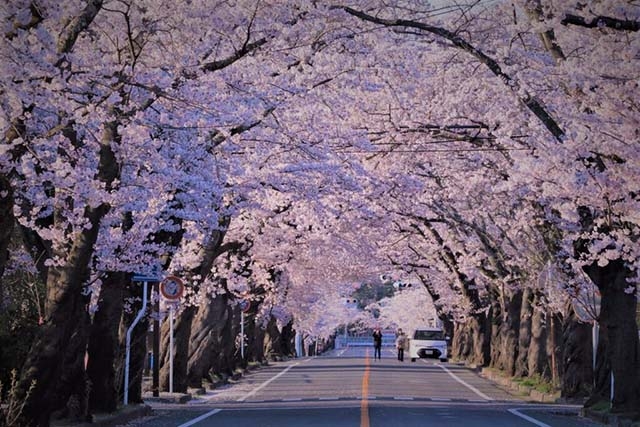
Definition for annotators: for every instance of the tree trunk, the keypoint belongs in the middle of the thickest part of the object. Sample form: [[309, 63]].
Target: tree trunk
[[471, 340], [181, 338], [62, 338], [257, 343], [524, 334], [554, 347], [538, 360], [6, 224], [577, 378], [205, 339], [619, 350], [104, 344], [504, 331]]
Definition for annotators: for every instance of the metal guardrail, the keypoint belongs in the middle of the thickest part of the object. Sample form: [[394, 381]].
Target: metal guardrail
[[350, 341]]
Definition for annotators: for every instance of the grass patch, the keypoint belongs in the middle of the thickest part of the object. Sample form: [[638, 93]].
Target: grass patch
[[601, 406], [536, 382]]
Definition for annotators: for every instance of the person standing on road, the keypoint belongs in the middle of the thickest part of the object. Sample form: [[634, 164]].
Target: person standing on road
[[402, 344], [377, 343]]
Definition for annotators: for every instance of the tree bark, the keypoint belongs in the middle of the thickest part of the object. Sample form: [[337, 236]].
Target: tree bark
[[524, 334], [181, 340], [205, 339], [62, 334], [538, 360], [6, 224], [104, 344], [471, 340], [504, 331], [577, 378], [618, 350]]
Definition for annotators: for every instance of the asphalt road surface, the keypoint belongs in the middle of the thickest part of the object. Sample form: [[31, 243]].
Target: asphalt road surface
[[349, 388]]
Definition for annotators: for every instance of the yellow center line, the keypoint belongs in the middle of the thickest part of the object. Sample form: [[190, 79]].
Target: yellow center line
[[364, 403]]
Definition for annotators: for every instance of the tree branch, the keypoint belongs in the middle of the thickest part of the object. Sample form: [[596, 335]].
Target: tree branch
[[602, 21], [524, 96]]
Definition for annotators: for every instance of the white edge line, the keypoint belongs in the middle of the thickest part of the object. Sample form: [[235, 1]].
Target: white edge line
[[200, 418], [242, 399], [469, 386], [528, 418], [264, 384]]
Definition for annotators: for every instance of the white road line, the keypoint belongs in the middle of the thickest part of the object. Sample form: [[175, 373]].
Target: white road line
[[242, 399], [467, 385], [200, 418], [528, 418], [291, 399], [266, 383], [402, 398]]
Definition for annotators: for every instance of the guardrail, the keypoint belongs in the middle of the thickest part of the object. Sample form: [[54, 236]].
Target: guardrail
[[349, 341]]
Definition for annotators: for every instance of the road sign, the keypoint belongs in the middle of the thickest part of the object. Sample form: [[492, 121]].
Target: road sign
[[145, 278], [172, 288], [245, 305], [153, 276]]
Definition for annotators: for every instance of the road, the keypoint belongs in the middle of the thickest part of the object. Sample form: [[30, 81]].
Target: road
[[349, 388]]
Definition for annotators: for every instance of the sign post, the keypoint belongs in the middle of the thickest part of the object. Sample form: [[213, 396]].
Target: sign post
[[245, 305], [145, 280], [171, 288]]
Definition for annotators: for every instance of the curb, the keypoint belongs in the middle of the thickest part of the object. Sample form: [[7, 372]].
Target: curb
[[519, 389], [166, 397]]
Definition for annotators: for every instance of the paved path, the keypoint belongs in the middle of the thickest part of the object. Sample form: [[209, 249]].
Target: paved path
[[348, 388]]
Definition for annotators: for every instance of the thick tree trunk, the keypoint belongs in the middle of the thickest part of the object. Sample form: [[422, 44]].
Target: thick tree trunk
[[223, 360], [524, 334], [554, 347], [205, 339], [504, 332], [65, 331], [6, 224], [577, 377], [46, 366], [618, 351], [257, 343], [471, 340], [272, 344], [104, 344], [538, 360], [181, 340]]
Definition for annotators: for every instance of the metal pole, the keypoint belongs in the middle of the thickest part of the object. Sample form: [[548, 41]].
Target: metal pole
[[128, 343], [242, 335], [594, 344], [156, 343], [171, 348], [613, 383]]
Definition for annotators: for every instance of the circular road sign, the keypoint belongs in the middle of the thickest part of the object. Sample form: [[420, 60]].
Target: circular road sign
[[245, 305], [172, 288]]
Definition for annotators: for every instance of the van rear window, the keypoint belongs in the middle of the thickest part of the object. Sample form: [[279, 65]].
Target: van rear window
[[428, 335]]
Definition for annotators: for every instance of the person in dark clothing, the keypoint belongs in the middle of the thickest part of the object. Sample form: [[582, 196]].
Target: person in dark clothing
[[377, 343]]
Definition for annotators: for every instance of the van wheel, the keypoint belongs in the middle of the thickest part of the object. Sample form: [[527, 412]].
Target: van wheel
[[413, 359], [443, 360]]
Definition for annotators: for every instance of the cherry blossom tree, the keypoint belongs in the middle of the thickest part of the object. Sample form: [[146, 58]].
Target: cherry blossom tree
[[471, 146]]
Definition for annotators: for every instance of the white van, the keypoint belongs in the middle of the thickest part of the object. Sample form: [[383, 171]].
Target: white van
[[428, 343]]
